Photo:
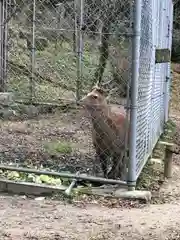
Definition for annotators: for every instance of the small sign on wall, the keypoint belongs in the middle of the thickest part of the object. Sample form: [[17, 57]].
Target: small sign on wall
[[163, 55]]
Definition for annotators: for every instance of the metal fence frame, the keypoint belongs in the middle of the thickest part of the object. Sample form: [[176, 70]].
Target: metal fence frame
[[3, 44], [158, 76], [158, 39]]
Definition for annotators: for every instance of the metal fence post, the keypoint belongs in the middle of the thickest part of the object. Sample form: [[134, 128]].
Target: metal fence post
[[3, 34], [134, 94], [33, 50], [80, 11], [5, 45], [168, 77]]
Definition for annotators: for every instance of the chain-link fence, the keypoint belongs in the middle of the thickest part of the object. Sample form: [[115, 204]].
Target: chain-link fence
[[54, 52], [154, 77], [153, 97]]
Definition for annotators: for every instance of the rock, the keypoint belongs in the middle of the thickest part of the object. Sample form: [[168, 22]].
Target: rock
[[7, 113], [39, 198], [24, 197], [6, 98]]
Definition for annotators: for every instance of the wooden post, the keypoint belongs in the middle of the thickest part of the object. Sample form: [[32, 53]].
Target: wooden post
[[168, 163], [170, 148]]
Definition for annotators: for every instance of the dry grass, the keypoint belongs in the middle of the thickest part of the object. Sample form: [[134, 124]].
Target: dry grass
[[175, 88]]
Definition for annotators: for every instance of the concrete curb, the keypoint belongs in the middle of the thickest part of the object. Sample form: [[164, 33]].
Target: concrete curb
[[42, 189], [28, 188]]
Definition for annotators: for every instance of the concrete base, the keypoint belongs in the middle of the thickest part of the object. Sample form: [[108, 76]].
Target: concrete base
[[42, 189], [28, 188], [118, 192], [139, 195]]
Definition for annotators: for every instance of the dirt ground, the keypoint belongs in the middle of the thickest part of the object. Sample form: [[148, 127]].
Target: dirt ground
[[34, 141], [30, 218], [22, 217]]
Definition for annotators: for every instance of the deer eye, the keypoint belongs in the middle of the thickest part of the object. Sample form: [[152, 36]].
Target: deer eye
[[95, 96]]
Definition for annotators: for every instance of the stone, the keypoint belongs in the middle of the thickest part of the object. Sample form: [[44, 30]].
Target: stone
[[6, 98]]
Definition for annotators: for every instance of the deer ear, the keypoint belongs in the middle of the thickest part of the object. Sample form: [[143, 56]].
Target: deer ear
[[95, 87], [99, 89]]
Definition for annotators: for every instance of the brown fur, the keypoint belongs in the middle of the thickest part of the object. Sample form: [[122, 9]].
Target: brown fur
[[108, 132]]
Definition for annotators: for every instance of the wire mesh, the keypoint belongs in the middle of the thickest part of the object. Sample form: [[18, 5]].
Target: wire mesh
[[57, 51], [153, 81], [47, 38], [144, 91]]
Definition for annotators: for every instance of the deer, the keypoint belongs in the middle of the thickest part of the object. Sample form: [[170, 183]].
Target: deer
[[108, 131]]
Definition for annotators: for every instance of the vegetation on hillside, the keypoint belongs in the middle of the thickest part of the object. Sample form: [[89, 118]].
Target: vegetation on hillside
[[55, 69]]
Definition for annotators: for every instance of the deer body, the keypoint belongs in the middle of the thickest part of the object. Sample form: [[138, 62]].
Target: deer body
[[108, 131]]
